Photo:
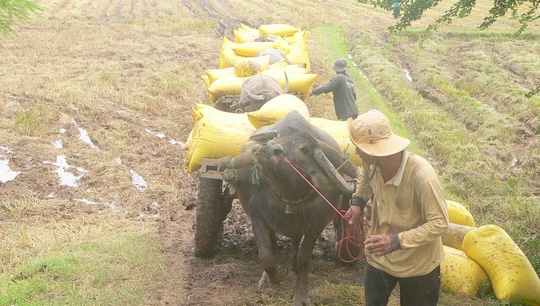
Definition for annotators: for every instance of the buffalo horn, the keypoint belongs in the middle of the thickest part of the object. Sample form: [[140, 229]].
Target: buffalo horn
[[332, 173], [242, 160], [337, 159], [286, 89], [253, 97], [264, 134]]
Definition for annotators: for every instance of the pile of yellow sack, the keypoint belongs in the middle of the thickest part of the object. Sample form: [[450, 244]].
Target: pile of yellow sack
[[480, 259], [291, 40], [476, 260], [219, 134], [238, 61]]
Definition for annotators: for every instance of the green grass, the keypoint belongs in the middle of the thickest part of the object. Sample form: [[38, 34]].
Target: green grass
[[55, 260], [368, 98], [28, 124], [471, 107], [454, 124], [106, 272]]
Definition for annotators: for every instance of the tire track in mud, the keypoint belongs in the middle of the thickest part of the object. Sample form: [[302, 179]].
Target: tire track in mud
[[115, 10], [144, 11], [227, 22]]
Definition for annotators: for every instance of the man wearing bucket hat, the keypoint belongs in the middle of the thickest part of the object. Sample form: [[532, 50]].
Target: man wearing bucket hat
[[342, 87], [407, 218]]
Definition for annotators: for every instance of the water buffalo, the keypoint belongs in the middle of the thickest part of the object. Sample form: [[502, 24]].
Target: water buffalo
[[274, 54], [279, 200], [258, 90]]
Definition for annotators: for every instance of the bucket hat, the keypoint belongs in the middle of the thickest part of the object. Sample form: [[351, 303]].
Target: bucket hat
[[340, 65], [371, 132]]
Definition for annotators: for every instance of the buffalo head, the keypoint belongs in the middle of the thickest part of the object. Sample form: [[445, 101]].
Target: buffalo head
[[257, 90]]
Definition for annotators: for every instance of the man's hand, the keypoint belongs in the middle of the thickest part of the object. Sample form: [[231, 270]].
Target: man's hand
[[354, 214], [382, 244]]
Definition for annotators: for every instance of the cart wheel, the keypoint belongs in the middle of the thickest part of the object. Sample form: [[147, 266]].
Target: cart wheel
[[210, 212]]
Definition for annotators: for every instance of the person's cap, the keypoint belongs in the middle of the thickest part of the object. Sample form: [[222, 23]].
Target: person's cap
[[371, 132], [340, 65]]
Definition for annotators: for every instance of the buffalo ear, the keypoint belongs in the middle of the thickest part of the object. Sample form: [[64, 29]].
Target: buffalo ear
[[338, 160]]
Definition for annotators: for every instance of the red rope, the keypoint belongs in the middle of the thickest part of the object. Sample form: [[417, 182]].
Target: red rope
[[351, 235]]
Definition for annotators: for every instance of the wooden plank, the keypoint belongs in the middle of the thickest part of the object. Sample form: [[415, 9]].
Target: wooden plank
[[209, 168]]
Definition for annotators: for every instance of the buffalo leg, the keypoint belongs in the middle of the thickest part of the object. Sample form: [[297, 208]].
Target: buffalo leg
[[267, 247], [300, 296], [291, 259]]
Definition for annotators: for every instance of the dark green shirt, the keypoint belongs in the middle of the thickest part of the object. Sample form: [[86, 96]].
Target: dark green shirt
[[342, 87]]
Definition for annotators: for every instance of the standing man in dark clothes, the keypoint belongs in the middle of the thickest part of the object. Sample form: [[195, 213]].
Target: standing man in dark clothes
[[342, 87]]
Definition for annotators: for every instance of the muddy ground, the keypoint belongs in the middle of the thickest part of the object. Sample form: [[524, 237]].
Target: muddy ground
[[231, 276]]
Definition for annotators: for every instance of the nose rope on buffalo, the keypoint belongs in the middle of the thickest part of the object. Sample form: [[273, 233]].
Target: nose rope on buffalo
[[352, 235]]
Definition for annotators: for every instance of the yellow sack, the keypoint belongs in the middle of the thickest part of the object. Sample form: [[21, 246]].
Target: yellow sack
[[228, 58], [279, 65], [230, 85], [298, 66], [512, 276], [206, 81], [242, 36], [300, 36], [347, 148], [250, 49], [246, 68], [454, 235], [216, 134], [264, 61], [298, 82], [299, 54], [278, 29], [277, 108], [460, 274], [214, 74], [289, 69], [338, 130], [459, 214], [188, 142], [242, 65], [282, 45], [249, 29]]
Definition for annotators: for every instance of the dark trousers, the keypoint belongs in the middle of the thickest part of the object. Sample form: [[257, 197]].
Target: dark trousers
[[414, 291]]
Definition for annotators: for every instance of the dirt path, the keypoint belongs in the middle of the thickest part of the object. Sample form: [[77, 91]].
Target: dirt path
[[230, 277]]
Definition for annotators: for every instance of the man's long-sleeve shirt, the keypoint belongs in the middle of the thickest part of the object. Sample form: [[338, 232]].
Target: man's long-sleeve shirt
[[342, 87], [412, 205]]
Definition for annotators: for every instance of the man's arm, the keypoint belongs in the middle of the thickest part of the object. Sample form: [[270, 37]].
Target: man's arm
[[329, 87]]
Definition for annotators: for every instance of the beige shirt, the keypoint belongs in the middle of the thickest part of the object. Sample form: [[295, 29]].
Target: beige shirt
[[412, 205]]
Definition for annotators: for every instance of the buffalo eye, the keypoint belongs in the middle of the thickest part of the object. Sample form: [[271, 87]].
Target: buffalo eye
[[305, 150]]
